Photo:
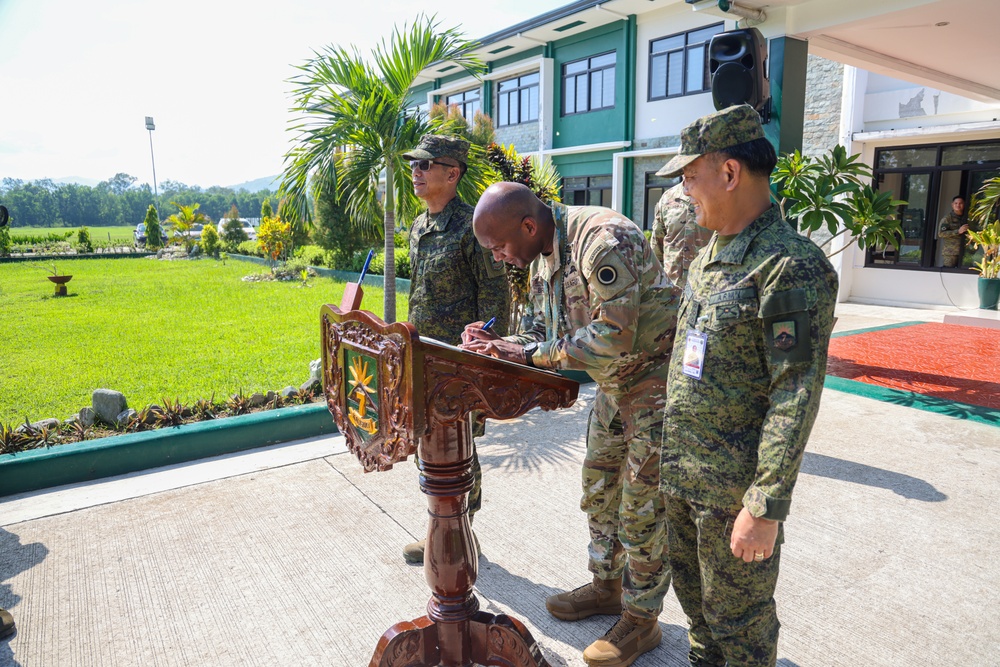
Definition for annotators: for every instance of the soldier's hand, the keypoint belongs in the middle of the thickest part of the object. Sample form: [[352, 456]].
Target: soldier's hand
[[474, 332], [753, 538], [497, 348], [963, 229]]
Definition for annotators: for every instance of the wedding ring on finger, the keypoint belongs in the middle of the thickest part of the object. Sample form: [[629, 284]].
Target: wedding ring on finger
[[758, 555]]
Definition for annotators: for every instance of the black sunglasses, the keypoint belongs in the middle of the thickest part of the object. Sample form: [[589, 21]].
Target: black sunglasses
[[424, 165]]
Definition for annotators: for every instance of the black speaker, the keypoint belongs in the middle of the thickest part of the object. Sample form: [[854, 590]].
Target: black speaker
[[737, 60], [4, 216]]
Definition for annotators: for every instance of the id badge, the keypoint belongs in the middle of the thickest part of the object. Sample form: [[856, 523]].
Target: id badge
[[694, 353]]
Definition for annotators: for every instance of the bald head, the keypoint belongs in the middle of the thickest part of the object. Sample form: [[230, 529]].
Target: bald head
[[513, 224]]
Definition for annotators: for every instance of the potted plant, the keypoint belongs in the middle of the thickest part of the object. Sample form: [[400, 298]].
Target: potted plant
[[59, 280], [983, 217]]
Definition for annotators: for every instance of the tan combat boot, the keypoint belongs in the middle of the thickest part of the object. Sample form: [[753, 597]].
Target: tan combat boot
[[601, 596], [627, 639], [414, 553]]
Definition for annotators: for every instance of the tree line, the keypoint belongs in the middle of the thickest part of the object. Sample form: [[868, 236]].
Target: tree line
[[115, 202]]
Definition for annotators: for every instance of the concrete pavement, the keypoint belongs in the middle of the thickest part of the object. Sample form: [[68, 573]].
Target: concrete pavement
[[291, 555]]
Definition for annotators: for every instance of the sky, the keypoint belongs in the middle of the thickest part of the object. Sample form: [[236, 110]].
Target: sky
[[78, 78]]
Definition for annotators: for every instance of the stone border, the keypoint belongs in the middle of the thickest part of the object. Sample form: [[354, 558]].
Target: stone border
[[116, 455], [402, 284]]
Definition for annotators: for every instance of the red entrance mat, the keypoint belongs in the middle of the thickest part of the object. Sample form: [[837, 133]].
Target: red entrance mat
[[947, 361]]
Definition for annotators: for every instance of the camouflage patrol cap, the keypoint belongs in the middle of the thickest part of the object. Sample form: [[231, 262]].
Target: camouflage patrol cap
[[714, 132], [433, 146]]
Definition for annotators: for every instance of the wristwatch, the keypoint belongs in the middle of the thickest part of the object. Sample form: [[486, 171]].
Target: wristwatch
[[529, 350]]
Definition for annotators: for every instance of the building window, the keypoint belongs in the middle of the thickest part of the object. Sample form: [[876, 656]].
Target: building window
[[467, 102], [589, 84], [655, 187], [928, 178], [517, 101], [678, 64], [587, 191]]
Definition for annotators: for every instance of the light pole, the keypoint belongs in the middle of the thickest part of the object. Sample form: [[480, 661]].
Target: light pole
[[150, 126]]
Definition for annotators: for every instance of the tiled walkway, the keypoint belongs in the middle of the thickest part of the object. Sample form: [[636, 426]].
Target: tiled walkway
[[945, 361]]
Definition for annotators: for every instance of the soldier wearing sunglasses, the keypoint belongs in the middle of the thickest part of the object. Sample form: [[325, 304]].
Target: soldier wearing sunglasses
[[453, 281]]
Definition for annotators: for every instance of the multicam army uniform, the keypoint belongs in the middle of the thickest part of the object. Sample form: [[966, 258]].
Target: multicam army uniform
[[600, 303], [951, 238], [454, 282], [677, 238], [735, 437]]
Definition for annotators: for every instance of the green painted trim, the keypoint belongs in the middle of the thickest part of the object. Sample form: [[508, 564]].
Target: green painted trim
[[121, 454], [628, 168], [884, 327], [910, 399]]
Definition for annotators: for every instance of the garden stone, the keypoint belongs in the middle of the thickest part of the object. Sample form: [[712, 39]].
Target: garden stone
[[310, 385], [87, 416], [289, 391], [316, 370], [257, 399], [71, 421], [50, 424], [270, 396], [108, 404], [125, 416]]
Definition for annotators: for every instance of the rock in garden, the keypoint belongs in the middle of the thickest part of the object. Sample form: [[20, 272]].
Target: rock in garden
[[289, 391], [50, 424], [87, 416], [257, 399], [316, 370], [125, 416], [310, 385], [108, 404]]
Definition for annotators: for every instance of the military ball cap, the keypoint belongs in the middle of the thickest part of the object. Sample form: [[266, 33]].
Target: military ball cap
[[433, 146], [715, 132]]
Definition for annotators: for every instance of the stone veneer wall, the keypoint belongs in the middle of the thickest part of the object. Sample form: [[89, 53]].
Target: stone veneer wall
[[523, 136], [824, 88]]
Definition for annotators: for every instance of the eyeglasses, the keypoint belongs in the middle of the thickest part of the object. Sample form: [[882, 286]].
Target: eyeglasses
[[424, 165]]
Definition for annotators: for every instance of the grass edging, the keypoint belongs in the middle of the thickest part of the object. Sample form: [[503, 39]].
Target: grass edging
[[117, 455]]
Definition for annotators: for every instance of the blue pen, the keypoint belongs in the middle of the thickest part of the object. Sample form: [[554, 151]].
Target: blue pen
[[364, 269], [492, 321]]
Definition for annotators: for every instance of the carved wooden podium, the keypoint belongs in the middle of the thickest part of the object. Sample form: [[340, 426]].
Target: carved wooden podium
[[393, 393]]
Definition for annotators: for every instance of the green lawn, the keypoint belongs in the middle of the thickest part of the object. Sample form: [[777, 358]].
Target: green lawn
[[154, 329], [96, 233]]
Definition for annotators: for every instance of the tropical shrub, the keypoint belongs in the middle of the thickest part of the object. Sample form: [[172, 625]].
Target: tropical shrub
[[5, 242], [210, 242], [83, 242], [232, 234], [154, 235], [274, 237]]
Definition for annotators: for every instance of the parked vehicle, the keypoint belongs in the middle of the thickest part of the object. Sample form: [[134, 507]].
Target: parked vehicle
[[139, 234], [250, 230], [194, 233]]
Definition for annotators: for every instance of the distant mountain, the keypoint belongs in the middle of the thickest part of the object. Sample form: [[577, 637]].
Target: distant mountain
[[265, 183]]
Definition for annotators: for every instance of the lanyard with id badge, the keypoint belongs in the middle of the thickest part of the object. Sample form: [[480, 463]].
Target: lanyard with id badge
[[695, 344]]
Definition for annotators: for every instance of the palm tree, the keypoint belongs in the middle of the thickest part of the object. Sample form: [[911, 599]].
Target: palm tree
[[356, 122], [186, 218]]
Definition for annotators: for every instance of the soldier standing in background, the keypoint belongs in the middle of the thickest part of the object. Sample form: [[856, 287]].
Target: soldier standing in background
[[950, 231], [599, 302], [677, 237], [742, 393], [453, 281]]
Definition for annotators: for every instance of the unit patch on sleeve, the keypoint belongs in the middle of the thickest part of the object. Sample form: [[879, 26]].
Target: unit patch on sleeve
[[786, 326]]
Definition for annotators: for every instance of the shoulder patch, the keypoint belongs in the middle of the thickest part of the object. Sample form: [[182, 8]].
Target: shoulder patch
[[604, 242], [610, 276], [494, 269]]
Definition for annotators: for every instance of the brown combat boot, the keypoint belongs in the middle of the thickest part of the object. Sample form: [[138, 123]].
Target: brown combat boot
[[601, 596], [627, 639], [414, 553], [6, 624]]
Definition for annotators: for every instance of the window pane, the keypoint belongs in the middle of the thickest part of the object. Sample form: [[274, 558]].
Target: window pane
[[503, 118], [900, 158], [509, 84], [675, 73], [473, 109], [652, 196], [600, 182], [704, 34], [609, 88], [525, 113], [593, 197], [595, 90], [574, 183], [574, 68], [658, 76], [602, 61], [606, 198], [529, 79], [913, 220], [532, 95], [971, 154], [667, 43], [581, 92], [695, 68], [569, 99]]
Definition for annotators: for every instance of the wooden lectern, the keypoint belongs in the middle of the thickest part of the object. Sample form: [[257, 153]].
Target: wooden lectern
[[393, 394]]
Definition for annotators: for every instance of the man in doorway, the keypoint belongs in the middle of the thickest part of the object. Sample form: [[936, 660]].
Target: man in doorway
[[950, 230], [676, 237], [600, 303], [453, 281], [743, 390]]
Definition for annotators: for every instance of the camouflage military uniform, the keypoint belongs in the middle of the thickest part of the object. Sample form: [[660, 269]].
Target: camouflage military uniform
[[735, 438], [951, 238], [600, 303], [454, 282], [677, 238]]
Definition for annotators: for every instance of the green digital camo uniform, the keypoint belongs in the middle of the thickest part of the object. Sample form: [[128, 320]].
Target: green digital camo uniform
[[951, 238], [454, 282], [735, 438], [677, 238], [600, 303]]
